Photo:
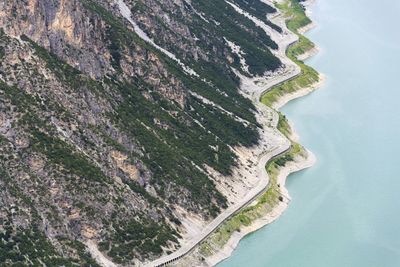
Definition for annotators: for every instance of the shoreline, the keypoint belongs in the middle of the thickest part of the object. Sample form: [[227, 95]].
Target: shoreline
[[273, 144], [298, 164], [301, 163], [282, 101]]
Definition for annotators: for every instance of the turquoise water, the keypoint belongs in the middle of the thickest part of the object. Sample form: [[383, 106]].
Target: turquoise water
[[345, 211]]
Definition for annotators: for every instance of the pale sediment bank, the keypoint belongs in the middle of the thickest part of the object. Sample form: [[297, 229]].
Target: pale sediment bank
[[306, 28], [308, 54], [283, 100], [298, 164]]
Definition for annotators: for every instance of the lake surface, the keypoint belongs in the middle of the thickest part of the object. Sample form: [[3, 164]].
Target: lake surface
[[345, 211]]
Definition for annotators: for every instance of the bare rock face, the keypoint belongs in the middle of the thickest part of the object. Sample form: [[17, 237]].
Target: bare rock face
[[104, 137], [122, 163], [63, 27]]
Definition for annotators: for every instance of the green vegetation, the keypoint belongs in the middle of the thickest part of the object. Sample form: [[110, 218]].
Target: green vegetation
[[164, 137], [272, 196], [59, 152], [121, 37], [283, 125], [258, 9], [137, 238], [61, 69], [117, 34], [233, 101], [67, 74], [171, 149], [18, 98], [29, 246], [16, 248], [222, 21], [293, 10], [255, 43], [79, 249], [172, 145], [264, 204], [2, 52], [168, 152], [173, 141]]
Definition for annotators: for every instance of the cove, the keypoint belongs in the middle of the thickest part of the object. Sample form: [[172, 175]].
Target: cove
[[345, 209]]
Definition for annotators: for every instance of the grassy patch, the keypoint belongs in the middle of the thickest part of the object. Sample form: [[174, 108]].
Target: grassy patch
[[60, 152], [293, 9], [264, 204], [283, 125], [2, 52]]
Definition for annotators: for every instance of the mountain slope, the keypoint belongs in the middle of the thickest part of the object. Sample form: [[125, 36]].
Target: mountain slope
[[106, 137]]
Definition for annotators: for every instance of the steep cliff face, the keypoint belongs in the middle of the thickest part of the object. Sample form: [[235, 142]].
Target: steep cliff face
[[104, 137]]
